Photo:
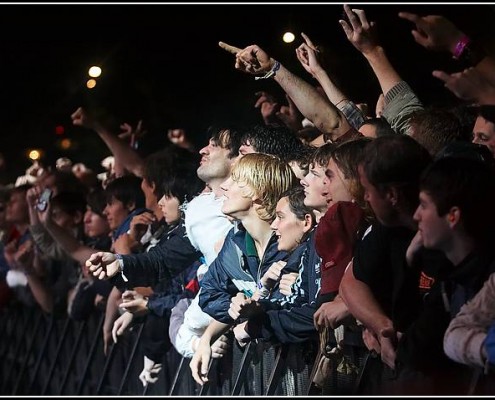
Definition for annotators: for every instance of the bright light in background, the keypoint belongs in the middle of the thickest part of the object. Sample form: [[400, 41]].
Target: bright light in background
[[91, 83], [94, 72], [34, 155], [65, 144], [288, 37]]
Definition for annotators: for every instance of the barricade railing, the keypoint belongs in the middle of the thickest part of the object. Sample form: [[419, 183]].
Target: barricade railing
[[45, 355]]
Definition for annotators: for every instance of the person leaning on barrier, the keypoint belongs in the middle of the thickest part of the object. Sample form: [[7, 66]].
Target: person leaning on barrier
[[281, 301], [251, 193]]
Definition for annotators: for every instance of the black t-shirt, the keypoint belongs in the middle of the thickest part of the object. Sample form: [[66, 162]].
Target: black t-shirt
[[380, 262]]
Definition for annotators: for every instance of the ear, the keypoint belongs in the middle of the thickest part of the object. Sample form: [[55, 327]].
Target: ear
[[308, 222], [454, 216], [131, 206], [78, 217], [392, 194]]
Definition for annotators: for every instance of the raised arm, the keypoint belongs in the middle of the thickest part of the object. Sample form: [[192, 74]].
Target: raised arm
[[437, 33], [124, 154], [318, 109], [307, 54]]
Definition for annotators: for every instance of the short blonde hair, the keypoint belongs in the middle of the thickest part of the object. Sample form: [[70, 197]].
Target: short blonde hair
[[267, 176]]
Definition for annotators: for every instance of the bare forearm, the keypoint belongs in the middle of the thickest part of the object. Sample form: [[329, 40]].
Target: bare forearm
[[362, 303], [214, 331], [69, 243], [318, 109], [125, 156], [385, 73], [334, 94]]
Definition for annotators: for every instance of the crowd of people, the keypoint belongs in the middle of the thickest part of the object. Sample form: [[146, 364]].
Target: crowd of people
[[325, 220]]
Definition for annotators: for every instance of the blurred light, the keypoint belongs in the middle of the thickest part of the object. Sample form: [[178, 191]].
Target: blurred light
[[288, 37], [34, 155], [59, 130], [65, 144], [91, 83], [94, 72]]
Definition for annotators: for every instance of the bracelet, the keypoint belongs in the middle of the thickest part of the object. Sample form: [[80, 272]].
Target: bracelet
[[270, 73], [461, 46], [121, 267]]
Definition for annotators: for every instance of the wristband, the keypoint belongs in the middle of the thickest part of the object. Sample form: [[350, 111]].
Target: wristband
[[270, 73], [461, 45], [121, 266]]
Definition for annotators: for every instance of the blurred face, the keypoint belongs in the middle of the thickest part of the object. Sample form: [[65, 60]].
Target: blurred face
[[169, 205], [337, 184], [288, 228], [149, 195], [484, 133], [435, 230], [315, 185], [236, 203], [379, 203], [215, 163], [246, 148], [17, 208], [116, 213], [94, 224], [298, 171], [62, 219], [3, 209], [368, 130]]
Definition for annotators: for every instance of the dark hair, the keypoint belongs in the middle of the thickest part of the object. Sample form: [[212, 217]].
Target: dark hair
[[69, 202], [295, 196], [96, 201], [126, 189], [382, 127], [322, 155], [465, 183], [396, 161], [433, 128], [226, 136], [347, 156], [182, 183], [279, 141], [303, 157], [160, 165]]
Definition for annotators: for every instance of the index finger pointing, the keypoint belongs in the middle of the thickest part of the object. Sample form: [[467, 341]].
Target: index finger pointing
[[409, 16], [229, 48]]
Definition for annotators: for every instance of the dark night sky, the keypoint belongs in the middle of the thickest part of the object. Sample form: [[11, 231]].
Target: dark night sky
[[161, 63]]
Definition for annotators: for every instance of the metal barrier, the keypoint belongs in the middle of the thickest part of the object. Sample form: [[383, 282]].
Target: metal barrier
[[42, 355]]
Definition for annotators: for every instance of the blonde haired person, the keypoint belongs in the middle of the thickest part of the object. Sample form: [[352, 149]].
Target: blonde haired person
[[256, 183]]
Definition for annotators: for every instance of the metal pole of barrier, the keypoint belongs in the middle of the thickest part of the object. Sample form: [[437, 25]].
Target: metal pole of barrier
[[180, 371], [368, 358], [6, 319], [57, 352], [310, 389], [42, 352], [241, 376], [205, 386], [475, 377], [131, 359], [106, 367], [19, 333], [91, 354], [28, 353], [7, 340], [72, 357], [280, 363]]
